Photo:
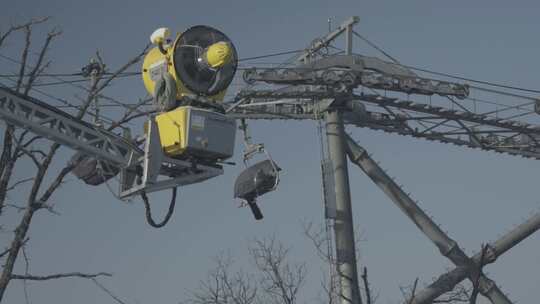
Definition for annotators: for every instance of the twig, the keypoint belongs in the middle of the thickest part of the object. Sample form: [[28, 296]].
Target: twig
[[126, 117], [107, 291], [476, 282], [56, 183], [22, 181], [413, 292], [366, 285], [26, 272], [24, 56], [3, 253], [38, 66], [122, 69], [17, 207], [20, 148], [15, 28]]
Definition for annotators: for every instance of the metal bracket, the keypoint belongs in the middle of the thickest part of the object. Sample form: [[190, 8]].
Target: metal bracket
[[155, 164]]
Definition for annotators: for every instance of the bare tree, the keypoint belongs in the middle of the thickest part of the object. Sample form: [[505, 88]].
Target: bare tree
[[460, 294], [274, 279], [280, 280], [222, 285], [323, 246], [19, 146]]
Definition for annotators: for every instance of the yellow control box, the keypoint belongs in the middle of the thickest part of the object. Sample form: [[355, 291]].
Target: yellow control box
[[196, 132], [172, 129]]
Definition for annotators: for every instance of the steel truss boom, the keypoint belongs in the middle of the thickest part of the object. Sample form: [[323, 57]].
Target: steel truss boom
[[141, 170], [45, 120], [504, 136]]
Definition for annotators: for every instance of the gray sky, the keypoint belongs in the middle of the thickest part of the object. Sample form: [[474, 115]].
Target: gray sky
[[476, 196]]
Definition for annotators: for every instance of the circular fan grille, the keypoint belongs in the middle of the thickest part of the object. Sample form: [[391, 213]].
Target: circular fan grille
[[195, 74]]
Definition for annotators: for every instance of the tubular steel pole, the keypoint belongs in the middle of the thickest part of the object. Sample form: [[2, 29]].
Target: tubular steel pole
[[343, 225]]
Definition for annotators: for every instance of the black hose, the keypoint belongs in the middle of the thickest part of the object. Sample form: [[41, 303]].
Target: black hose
[[149, 218]]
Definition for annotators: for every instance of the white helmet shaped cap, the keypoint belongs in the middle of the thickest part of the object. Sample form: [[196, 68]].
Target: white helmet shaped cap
[[159, 35]]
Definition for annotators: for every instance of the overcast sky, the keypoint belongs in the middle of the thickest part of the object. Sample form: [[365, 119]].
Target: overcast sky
[[476, 196]]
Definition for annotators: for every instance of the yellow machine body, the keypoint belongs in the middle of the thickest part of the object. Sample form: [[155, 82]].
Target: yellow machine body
[[197, 132], [155, 62], [186, 131]]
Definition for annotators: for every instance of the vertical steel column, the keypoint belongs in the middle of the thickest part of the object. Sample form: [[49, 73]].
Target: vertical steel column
[[343, 225]]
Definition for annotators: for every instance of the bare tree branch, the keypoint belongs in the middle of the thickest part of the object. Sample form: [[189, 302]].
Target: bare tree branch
[[59, 276], [15, 28], [20, 182], [38, 66], [24, 56], [476, 283], [127, 115], [20, 149], [6, 163], [223, 286], [366, 286], [120, 70], [6, 251], [26, 272], [323, 247], [9, 158], [15, 206], [460, 294], [413, 291], [319, 241]]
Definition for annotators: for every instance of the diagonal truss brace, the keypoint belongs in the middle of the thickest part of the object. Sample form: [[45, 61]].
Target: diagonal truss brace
[[447, 246], [447, 281]]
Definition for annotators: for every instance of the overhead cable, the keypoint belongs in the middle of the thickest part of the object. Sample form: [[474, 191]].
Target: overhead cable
[[271, 55], [395, 61]]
